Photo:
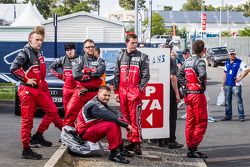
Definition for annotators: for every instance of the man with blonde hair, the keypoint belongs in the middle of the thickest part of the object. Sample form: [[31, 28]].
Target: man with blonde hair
[[30, 69]]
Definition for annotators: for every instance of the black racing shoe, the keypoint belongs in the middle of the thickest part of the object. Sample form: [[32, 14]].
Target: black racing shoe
[[116, 156], [175, 145], [196, 154], [39, 139], [137, 149], [29, 154], [226, 119], [125, 153], [130, 147], [163, 142]]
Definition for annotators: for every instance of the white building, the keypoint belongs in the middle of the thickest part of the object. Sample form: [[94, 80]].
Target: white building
[[79, 26]]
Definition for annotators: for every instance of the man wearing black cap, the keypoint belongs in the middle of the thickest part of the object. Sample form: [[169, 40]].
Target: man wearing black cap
[[186, 54], [65, 62], [235, 70]]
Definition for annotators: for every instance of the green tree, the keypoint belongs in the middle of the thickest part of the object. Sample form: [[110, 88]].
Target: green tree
[[158, 27], [130, 4], [209, 8], [168, 8], [192, 5], [72, 6], [245, 32], [246, 8], [7, 1], [61, 10], [82, 6], [238, 8], [225, 34]]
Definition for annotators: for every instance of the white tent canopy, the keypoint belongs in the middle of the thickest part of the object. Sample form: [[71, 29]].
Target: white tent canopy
[[29, 17]]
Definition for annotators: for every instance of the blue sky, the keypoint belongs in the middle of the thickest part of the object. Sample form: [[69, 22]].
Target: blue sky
[[109, 5]]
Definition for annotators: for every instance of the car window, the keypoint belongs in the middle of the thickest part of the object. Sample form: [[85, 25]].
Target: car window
[[220, 51]]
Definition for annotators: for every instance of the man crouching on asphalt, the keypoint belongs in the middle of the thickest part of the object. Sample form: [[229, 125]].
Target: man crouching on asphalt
[[97, 120]]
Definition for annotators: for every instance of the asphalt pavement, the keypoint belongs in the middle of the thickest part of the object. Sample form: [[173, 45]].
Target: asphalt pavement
[[10, 144]]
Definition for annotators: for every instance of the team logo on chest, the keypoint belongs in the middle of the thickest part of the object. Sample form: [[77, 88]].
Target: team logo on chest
[[94, 63], [135, 59]]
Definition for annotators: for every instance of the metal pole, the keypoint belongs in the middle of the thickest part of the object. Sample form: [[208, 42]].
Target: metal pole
[[150, 20], [228, 20], [220, 23], [55, 33], [98, 6], [201, 20], [136, 17]]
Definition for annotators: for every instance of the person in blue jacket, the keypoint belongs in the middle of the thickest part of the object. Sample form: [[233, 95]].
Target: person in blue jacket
[[235, 70]]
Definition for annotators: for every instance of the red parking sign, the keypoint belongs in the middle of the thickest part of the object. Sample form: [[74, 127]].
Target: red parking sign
[[152, 106]]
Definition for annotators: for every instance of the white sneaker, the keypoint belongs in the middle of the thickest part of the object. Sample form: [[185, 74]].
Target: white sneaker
[[184, 116], [211, 120], [180, 103]]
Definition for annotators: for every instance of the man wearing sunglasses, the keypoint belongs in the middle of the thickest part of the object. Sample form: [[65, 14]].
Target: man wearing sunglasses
[[87, 71], [186, 54], [235, 70]]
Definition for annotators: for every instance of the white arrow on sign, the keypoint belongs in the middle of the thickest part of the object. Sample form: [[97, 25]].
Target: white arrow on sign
[[150, 119]]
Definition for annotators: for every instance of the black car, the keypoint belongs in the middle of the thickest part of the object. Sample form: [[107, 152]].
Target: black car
[[216, 55], [55, 88]]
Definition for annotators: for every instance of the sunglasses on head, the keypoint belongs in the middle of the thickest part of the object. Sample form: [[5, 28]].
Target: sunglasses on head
[[185, 52]]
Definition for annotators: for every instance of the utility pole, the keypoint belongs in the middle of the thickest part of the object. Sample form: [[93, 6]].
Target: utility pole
[[136, 17], [150, 19], [98, 7], [220, 22], [55, 33]]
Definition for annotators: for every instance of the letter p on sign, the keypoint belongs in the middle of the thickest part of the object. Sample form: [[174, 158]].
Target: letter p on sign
[[152, 106]]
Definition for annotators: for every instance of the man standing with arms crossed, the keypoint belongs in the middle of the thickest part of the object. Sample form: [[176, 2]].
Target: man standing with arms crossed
[[131, 77], [87, 72], [65, 62], [193, 76], [30, 69]]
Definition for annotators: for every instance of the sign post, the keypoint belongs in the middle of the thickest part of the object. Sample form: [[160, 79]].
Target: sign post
[[156, 98]]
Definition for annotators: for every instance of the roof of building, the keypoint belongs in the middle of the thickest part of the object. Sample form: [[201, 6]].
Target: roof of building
[[83, 13], [195, 17]]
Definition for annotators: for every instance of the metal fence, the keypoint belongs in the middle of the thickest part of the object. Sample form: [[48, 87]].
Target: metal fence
[[240, 44]]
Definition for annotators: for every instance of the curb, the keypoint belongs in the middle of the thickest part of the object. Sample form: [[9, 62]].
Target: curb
[[7, 102], [57, 157], [201, 162]]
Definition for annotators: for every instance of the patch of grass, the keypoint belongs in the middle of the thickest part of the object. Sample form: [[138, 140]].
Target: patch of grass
[[7, 91]]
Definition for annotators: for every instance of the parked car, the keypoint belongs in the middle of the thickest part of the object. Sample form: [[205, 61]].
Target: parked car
[[55, 88], [157, 39], [216, 55]]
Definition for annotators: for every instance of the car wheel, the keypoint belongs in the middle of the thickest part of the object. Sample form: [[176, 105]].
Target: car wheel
[[213, 64], [17, 105], [208, 63]]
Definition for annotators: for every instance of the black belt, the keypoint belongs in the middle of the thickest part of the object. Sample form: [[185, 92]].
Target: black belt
[[92, 89], [194, 91]]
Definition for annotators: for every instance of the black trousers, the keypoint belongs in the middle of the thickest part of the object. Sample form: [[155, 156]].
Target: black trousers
[[172, 120], [172, 115]]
